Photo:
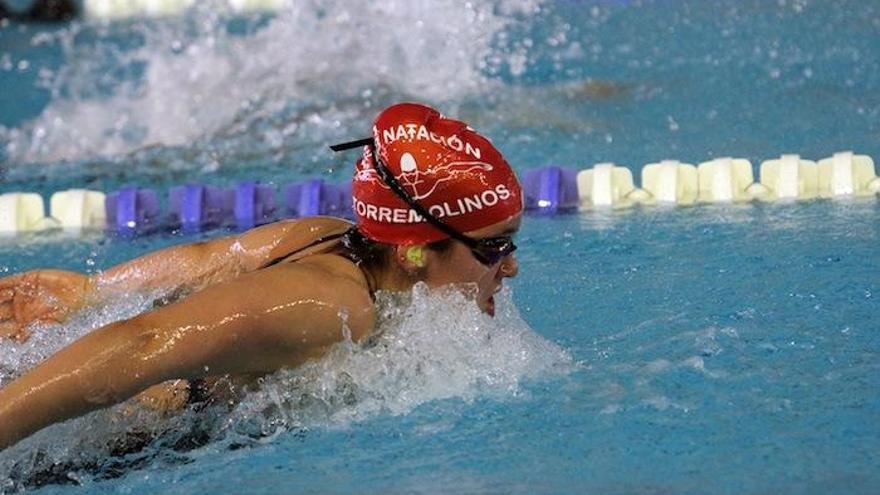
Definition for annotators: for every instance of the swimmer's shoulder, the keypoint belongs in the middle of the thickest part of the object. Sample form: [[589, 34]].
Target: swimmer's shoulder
[[336, 281], [265, 245]]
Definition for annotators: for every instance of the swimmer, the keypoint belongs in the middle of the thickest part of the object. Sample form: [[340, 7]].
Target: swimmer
[[281, 294]]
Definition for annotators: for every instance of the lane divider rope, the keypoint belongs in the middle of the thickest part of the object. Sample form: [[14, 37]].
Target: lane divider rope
[[197, 207]]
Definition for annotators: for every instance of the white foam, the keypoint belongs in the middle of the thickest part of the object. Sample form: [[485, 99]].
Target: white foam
[[45, 340], [430, 346], [435, 346], [311, 64]]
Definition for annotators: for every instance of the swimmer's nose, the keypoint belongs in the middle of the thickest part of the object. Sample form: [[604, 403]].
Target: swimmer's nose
[[509, 266]]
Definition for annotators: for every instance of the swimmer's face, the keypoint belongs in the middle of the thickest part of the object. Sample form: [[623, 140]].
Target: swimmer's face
[[459, 266]]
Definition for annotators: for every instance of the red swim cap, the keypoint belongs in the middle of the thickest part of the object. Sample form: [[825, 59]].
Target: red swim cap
[[444, 165]]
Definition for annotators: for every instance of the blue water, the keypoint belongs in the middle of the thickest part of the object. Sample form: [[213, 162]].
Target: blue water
[[710, 349]]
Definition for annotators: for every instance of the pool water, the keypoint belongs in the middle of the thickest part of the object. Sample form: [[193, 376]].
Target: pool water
[[708, 349]]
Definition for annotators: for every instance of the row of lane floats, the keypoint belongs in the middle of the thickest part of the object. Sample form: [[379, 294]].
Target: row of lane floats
[[197, 207], [788, 177]]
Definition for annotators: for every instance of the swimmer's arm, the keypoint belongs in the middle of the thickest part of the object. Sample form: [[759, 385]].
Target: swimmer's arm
[[197, 265], [50, 296], [256, 323]]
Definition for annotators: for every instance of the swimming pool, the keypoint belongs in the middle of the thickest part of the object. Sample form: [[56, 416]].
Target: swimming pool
[[708, 349]]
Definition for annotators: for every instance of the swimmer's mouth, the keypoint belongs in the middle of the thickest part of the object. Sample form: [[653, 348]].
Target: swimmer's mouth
[[490, 302]]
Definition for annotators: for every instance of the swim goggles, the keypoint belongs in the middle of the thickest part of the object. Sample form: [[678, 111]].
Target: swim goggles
[[488, 250]]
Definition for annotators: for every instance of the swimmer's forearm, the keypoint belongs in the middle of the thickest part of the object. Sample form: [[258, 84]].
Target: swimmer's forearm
[[67, 385], [257, 323], [190, 265], [211, 333], [115, 363]]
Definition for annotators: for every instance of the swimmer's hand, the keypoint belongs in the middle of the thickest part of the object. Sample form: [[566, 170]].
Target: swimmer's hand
[[39, 296]]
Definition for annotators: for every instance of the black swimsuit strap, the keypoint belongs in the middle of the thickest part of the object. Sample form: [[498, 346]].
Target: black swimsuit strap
[[316, 242]]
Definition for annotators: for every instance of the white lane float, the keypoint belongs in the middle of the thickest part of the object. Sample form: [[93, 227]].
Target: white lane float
[[724, 180], [77, 209], [23, 212], [671, 182], [607, 185], [721, 180], [847, 174], [789, 177]]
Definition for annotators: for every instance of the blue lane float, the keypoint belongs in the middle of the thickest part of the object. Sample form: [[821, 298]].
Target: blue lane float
[[254, 204], [132, 209], [193, 207], [316, 197], [551, 189]]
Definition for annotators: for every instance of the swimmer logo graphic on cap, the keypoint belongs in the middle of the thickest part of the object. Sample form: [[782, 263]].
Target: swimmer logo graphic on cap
[[444, 165], [420, 184]]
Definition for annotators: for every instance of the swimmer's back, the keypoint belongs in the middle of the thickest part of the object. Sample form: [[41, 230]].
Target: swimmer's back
[[286, 313]]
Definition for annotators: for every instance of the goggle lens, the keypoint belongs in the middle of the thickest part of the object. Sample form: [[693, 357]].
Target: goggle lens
[[491, 250]]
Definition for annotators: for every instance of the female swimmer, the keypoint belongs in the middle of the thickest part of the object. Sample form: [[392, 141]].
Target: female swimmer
[[435, 202]]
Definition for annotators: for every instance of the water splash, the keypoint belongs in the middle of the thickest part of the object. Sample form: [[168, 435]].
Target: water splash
[[268, 84], [15, 358], [429, 345], [423, 352]]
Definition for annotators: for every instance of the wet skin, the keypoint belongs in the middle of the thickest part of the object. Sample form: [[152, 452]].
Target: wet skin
[[242, 319], [460, 267], [50, 296]]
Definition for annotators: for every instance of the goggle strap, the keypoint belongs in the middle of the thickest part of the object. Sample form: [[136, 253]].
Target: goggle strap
[[352, 144]]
